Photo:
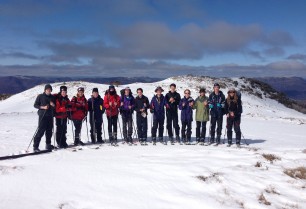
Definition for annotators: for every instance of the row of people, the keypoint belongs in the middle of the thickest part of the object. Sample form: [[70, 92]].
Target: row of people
[[162, 107]]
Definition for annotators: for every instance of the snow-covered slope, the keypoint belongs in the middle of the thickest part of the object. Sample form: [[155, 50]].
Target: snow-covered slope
[[161, 176]]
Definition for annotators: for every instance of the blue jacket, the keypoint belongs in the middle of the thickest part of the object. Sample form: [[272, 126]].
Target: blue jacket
[[98, 108], [186, 113], [127, 101], [158, 107], [217, 102]]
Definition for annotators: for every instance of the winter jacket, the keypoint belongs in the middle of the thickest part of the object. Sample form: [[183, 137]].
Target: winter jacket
[[202, 111], [217, 102], [232, 106], [43, 100], [111, 110], [174, 105], [127, 101], [96, 108], [142, 103], [61, 106], [157, 107], [79, 108], [186, 113]]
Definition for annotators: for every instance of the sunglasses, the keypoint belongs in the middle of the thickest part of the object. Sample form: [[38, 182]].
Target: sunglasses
[[231, 92]]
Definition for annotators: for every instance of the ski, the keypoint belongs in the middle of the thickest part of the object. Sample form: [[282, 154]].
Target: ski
[[24, 155]]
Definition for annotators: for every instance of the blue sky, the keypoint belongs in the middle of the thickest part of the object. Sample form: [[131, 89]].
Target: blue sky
[[156, 38]]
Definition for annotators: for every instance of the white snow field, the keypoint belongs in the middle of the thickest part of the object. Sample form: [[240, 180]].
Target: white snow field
[[151, 177]]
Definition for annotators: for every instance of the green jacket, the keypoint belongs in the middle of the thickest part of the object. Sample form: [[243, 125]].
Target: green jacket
[[202, 112]]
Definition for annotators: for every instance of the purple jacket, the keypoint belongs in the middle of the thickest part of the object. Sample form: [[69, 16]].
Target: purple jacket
[[127, 101], [186, 113]]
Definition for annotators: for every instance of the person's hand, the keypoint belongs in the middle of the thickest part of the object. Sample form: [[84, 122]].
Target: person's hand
[[205, 103], [115, 103], [44, 107], [52, 104], [110, 103], [121, 103], [191, 104], [141, 110], [232, 114], [183, 104], [171, 100], [130, 107]]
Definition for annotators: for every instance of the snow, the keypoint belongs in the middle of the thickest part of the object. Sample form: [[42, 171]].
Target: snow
[[155, 176]]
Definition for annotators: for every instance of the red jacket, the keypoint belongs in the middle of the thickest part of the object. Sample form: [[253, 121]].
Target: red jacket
[[60, 106], [79, 108], [111, 110]]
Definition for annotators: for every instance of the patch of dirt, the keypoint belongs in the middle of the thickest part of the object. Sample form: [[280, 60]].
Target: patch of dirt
[[262, 199], [296, 173], [212, 177], [271, 157]]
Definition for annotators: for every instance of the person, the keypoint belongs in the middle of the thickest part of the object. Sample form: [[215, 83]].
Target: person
[[62, 106], [45, 104], [141, 107], [233, 110], [112, 104], [186, 107], [127, 107], [173, 98], [96, 111], [216, 103], [157, 107], [79, 112], [202, 116]]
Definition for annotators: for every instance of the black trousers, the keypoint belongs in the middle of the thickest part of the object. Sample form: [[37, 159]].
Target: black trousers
[[213, 122], [112, 126], [77, 130], [142, 127], [61, 130], [186, 127], [97, 129], [45, 126], [127, 126], [158, 123], [201, 130], [233, 122], [172, 118]]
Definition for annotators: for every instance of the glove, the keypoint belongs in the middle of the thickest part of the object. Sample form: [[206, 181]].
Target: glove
[[210, 106], [219, 105]]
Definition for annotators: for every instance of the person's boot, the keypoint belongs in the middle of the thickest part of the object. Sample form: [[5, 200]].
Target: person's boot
[[154, 140], [49, 147], [229, 138], [238, 138], [218, 139], [115, 138], [178, 139], [160, 139], [36, 149]]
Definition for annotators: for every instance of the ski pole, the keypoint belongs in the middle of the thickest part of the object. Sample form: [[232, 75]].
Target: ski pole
[[36, 130], [87, 130], [244, 140]]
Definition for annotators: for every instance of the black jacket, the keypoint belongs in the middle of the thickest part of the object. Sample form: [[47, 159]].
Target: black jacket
[[142, 103], [217, 101], [43, 100], [98, 108], [173, 107], [231, 106]]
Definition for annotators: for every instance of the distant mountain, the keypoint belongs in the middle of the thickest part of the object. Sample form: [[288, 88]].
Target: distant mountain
[[17, 84], [293, 87]]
